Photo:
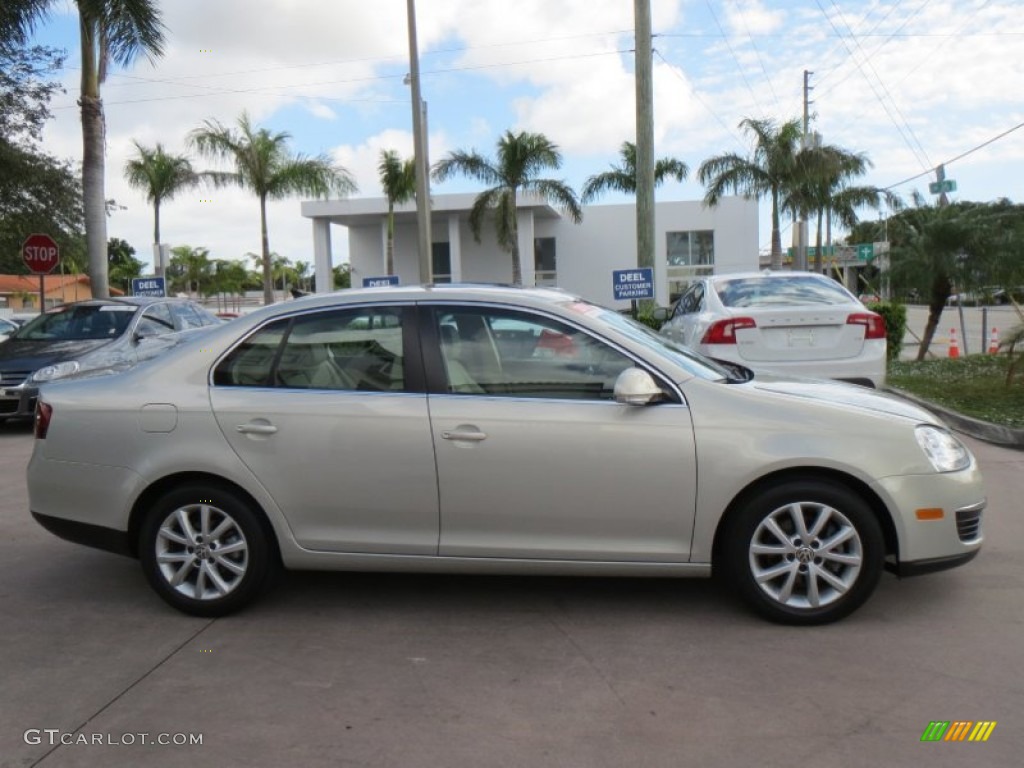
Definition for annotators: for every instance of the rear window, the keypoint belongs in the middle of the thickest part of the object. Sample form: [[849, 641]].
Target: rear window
[[780, 290], [104, 321]]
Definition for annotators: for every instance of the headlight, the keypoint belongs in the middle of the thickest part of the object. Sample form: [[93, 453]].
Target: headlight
[[56, 371], [945, 452]]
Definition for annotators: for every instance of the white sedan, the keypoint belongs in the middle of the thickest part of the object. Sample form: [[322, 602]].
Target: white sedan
[[787, 323]]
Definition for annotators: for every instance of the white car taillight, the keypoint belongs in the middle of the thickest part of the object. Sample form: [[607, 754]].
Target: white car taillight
[[724, 331], [874, 325]]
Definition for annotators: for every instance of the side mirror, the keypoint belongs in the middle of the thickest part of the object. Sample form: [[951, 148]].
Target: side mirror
[[636, 387], [661, 314]]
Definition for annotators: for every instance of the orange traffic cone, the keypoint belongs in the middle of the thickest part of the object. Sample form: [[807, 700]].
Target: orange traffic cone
[[993, 342], [954, 350]]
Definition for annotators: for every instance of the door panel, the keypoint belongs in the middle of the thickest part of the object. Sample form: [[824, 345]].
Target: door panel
[[321, 408], [535, 459], [564, 479]]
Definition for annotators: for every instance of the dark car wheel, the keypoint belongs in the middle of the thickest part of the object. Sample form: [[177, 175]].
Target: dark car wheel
[[805, 552], [204, 550]]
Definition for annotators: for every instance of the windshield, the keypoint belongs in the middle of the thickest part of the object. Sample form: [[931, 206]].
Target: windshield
[[78, 323], [687, 359], [780, 289]]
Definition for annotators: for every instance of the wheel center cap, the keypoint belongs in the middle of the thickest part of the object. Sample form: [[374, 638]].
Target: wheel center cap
[[202, 552], [805, 554]]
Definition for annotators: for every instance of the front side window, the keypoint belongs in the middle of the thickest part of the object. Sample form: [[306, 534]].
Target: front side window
[[357, 349], [507, 353]]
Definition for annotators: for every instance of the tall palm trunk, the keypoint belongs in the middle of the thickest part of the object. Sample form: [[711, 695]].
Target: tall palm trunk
[[94, 202], [391, 238], [268, 280], [942, 287], [776, 233], [818, 245], [156, 221], [513, 225]]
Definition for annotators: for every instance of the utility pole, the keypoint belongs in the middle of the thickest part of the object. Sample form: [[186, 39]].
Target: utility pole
[[800, 255], [644, 135], [419, 151]]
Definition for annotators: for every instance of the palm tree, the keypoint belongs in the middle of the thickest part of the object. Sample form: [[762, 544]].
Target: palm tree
[[769, 171], [118, 30], [622, 178], [398, 178], [161, 176], [821, 186], [192, 266], [264, 165], [521, 156]]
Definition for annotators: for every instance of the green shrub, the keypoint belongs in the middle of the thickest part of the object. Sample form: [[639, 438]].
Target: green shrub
[[895, 316], [648, 319]]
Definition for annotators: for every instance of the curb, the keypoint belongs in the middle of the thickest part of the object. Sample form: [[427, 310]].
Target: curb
[[982, 430]]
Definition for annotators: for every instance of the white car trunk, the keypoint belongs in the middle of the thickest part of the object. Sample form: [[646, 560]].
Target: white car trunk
[[790, 334]]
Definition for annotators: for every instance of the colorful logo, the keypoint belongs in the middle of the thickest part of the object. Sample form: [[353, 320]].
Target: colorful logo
[[958, 730]]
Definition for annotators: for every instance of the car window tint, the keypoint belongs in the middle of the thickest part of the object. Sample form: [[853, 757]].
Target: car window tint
[[250, 364], [357, 349], [769, 290], [513, 354]]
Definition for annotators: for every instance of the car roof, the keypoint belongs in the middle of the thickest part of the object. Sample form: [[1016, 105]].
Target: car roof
[[767, 273], [475, 292], [133, 301]]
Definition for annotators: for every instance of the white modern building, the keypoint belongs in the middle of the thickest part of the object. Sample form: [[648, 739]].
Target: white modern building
[[690, 240]]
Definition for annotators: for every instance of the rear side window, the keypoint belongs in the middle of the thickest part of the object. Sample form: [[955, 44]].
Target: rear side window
[[359, 349]]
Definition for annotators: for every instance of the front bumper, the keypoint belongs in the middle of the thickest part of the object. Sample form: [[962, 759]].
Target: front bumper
[[18, 402]]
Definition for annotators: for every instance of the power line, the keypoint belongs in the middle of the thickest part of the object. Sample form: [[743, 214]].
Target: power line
[[757, 52], [703, 103], [961, 156], [735, 58], [268, 90]]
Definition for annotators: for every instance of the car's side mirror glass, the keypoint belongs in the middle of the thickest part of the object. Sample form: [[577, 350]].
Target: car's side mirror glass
[[635, 386], [661, 314]]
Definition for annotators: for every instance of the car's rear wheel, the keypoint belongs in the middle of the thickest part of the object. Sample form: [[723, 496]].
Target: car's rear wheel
[[204, 550], [805, 552]]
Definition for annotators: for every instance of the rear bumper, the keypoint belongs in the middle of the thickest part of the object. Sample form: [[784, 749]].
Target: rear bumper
[[868, 369], [86, 533]]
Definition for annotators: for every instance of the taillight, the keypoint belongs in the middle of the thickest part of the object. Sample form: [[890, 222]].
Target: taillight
[[43, 413], [874, 325], [724, 331]]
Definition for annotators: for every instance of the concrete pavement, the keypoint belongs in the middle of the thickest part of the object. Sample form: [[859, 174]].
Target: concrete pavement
[[386, 670]]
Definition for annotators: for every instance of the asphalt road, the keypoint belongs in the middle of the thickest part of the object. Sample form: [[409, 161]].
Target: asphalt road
[[386, 670]]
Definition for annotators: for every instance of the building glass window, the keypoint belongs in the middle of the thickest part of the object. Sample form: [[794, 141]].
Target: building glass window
[[690, 255], [545, 263], [441, 262]]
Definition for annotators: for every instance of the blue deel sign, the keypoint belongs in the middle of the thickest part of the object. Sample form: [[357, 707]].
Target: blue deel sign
[[628, 284], [380, 282], [148, 286]]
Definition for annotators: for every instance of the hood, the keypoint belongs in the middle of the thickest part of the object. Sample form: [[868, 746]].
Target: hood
[[19, 355], [850, 395]]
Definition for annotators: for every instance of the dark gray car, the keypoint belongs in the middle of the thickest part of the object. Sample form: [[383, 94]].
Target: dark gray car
[[89, 335]]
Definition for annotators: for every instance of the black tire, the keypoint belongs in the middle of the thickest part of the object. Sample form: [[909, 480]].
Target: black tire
[[781, 575], [218, 574]]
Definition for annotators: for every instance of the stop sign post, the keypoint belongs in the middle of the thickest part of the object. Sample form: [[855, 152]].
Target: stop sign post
[[41, 255]]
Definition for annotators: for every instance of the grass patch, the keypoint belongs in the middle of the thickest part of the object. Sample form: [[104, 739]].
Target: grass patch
[[974, 386]]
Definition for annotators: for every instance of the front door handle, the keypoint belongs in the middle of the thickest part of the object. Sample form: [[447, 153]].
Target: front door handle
[[256, 429], [470, 435]]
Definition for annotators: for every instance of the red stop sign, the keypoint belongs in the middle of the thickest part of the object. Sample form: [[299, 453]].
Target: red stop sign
[[40, 254]]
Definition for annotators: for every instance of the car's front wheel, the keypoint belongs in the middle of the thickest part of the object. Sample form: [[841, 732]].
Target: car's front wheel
[[204, 550], [804, 552]]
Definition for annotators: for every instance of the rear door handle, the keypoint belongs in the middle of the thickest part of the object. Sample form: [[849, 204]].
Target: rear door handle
[[473, 436], [256, 429]]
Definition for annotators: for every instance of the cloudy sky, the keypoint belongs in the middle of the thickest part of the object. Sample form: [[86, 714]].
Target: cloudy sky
[[913, 83]]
